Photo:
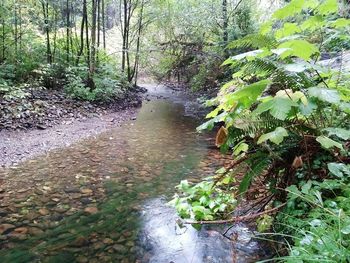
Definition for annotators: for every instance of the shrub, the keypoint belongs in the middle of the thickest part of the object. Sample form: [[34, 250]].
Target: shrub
[[107, 84], [285, 117]]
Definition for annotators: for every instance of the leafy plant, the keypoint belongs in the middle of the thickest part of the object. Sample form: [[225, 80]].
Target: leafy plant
[[203, 200], [286, 119]]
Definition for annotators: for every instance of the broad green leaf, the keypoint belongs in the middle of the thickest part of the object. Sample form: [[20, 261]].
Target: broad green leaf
[[324, 94], [298, 48], [247, 95], [293, 192], [328, 143], [346, 230], [328, 7], [287, 30], [241, 147], [279, 107], [340, 22], [339, 169], [307, 109], [209, 125], [214, 113], [306, 187], [339, 132], [276, 136], [313, 23], [295, 96], [294, 7]]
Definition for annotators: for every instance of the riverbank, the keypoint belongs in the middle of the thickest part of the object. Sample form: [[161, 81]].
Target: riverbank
[[49, 120]]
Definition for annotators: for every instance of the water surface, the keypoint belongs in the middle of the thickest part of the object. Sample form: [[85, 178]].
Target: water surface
[[104, 199]]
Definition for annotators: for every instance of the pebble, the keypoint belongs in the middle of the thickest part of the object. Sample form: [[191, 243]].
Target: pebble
[[86, 191], [80, 242], [120, 249], [91, 210], [43, 211], [5, 228], [108, 241]]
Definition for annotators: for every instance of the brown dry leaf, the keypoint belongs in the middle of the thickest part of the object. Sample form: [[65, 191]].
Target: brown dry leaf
[[298, 162], [221, 136]]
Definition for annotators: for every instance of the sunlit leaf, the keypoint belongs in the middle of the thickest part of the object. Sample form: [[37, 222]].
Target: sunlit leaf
[[328, 7], [328, 143], [298, 48], [324, 94], [276, 136], [339, 132]]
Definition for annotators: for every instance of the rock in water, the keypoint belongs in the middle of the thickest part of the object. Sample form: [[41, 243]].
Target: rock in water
[[5, 228], [91, 210]]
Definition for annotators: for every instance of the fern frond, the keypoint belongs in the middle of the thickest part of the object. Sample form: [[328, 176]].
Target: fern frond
[[263, 67], [253, 41], [251, 126]]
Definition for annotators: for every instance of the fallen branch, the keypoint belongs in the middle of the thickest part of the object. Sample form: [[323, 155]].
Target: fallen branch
[[235, 219]]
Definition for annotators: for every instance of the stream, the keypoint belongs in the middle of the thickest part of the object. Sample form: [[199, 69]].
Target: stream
[[104, 199]]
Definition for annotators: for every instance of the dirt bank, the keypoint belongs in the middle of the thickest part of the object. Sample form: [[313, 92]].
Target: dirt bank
[[61, 122], [19, 145]]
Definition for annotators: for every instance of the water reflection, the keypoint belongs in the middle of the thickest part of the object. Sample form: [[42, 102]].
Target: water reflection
[[170, 243]]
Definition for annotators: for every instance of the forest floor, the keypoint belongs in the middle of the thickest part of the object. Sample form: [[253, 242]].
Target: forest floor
[[48, 120]]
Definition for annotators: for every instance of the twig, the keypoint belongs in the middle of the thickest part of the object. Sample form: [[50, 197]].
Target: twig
[[235, 219]]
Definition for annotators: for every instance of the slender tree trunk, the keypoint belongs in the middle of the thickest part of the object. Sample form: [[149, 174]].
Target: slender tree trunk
[[20, 27], [55, 36], [16, 30], [87, 35], [124, 32], [225, 22], [98, 29], [67, 30], [92, 67], [45, 7], [103, 24], [3, 58], [98, 22], [138, 44], [82, 33]]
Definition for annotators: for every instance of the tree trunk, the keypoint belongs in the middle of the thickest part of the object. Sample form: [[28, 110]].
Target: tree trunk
[[103, 24], [3, 58], [45, 7], [87, 35], [92, 67], [16, 30], [138, 44], [82, 33], [124, 32], [225, 22], [67, 30]]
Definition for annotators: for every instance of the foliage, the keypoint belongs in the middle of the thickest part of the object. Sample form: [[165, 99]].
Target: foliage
[[286, 117], [202, 201], [191, 36], [318, 218], [108, 84]]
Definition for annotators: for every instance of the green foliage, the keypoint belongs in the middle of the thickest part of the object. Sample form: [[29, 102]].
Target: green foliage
[[107, 84], [287, 123], [318, 218], [202, 201]]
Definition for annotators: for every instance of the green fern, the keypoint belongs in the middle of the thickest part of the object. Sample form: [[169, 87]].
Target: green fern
[[254, 41]]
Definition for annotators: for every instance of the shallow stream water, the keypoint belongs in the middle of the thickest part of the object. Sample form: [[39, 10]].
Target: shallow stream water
[[105, 199]]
